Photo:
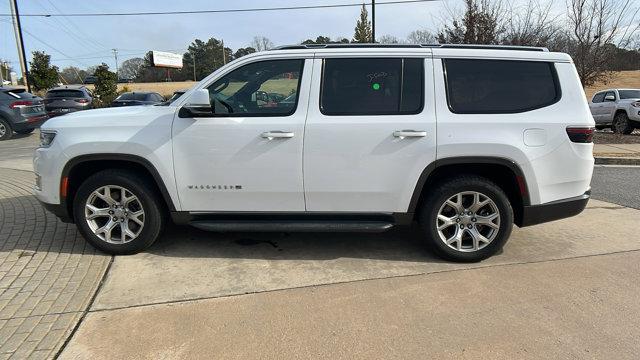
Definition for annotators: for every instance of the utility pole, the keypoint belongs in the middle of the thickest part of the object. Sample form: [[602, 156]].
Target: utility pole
[[373, 21], [17, 30], [193, 57], [115, 55], [224, 54]]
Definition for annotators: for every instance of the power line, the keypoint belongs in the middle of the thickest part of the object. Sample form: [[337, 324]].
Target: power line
[[306, 7]]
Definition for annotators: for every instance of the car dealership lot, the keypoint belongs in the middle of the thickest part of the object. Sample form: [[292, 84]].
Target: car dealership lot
[[566, 289]]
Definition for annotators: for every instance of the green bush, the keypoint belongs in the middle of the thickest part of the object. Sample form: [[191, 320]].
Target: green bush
[[106, 87]]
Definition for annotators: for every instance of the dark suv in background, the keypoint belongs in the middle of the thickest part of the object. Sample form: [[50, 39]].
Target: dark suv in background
[[138, 98], [63, 100], [20, 112]]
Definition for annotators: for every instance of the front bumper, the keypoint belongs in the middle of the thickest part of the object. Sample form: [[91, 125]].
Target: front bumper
[[59, 210], [555, 210]]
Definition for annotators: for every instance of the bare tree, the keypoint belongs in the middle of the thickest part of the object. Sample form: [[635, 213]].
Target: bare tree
[[421, 37], [388, 39], [482, 23], [597, 28], [261, 43], [531, 24]]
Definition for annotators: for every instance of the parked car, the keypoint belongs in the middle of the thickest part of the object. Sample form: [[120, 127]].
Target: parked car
[[376, 137], [124, 80], [91, 79], [67, 99], [138, 98], [616, 108], [175, 96], [20, 112]]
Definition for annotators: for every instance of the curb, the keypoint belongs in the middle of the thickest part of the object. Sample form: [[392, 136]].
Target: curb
[[617, 161]]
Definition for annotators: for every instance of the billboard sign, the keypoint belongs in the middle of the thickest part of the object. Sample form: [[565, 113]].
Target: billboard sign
[[166, 59]]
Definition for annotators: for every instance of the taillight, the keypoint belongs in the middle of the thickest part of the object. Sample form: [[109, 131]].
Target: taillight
[[82, 101], [580, 134], [20, 103]]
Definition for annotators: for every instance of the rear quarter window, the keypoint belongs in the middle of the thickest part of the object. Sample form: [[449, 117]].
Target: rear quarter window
[[499, 86]]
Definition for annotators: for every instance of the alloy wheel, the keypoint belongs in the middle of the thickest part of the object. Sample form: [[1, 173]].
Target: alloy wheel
[[468, 221], [114, 214], [3, 129]]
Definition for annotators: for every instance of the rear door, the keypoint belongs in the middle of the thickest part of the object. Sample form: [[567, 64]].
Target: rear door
[[370, 132]]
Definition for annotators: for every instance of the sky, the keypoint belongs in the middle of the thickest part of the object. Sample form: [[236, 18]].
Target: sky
[[89, 40]]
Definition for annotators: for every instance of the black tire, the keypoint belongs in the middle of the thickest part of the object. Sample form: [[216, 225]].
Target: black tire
[[6, 132], [444, 191], [24, 132], [622, 124], [149, 200]]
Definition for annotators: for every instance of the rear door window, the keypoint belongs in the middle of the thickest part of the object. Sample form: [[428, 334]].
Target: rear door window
[[371, 86], [477, 86]]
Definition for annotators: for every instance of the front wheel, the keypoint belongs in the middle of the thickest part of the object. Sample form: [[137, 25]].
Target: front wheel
[[118, 212], [466, 219]]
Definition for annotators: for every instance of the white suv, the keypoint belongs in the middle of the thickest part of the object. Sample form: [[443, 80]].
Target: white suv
[[466, 140]]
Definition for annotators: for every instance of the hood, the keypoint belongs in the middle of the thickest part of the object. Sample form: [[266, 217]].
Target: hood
[[109, 117]]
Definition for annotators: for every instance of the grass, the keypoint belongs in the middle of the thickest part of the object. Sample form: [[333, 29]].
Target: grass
[[619, 80]]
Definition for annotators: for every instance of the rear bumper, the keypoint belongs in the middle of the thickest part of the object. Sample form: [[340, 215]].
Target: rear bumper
[[30, 123], [555, 210]]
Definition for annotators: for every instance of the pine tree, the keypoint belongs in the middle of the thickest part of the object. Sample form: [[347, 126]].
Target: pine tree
[[43, 75], [106, 87], [363, 28]]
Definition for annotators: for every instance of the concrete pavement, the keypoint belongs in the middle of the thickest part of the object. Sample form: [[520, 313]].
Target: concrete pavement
[[581, 308], [566, 289]]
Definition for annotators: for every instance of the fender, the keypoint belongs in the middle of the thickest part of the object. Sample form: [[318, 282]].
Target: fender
[[417, 192], [71, 164]]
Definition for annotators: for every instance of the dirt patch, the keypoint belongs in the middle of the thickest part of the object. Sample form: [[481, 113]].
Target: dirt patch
[[607, 137]]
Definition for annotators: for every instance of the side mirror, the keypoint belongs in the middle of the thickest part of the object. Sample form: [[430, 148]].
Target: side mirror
[[609, 98], [198, 105]]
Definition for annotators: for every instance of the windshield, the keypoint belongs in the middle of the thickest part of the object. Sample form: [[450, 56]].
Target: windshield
[[629, 94], [132, 96]]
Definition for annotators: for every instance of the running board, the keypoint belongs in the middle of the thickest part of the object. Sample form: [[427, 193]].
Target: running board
[[292, 225]]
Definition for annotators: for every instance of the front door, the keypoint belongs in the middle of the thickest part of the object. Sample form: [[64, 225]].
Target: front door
[[248, 155], [371, 131]]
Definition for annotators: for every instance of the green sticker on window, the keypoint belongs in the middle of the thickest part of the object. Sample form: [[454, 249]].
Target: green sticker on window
[[375, 86]]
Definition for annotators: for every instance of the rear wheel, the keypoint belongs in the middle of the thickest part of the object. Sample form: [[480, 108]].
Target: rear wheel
[[621, 124], [5, 130], [118, 212], [466, 219]]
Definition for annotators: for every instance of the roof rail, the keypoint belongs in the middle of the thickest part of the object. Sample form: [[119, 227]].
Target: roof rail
[[444, 46]]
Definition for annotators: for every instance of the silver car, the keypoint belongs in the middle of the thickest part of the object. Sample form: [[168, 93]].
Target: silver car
[[618, 109]]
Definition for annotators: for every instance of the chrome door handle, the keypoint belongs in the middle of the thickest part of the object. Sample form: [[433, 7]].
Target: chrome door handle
[[409, 133], [277, 135]]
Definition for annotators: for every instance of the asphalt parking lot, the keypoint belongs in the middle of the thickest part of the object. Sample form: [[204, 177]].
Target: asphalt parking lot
[[567, 289]]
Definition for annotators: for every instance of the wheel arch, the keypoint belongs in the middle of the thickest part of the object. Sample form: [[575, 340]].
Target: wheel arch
[[81, 167], [504, 172]]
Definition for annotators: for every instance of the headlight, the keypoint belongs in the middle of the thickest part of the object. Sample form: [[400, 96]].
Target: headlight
[[46, 138]]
